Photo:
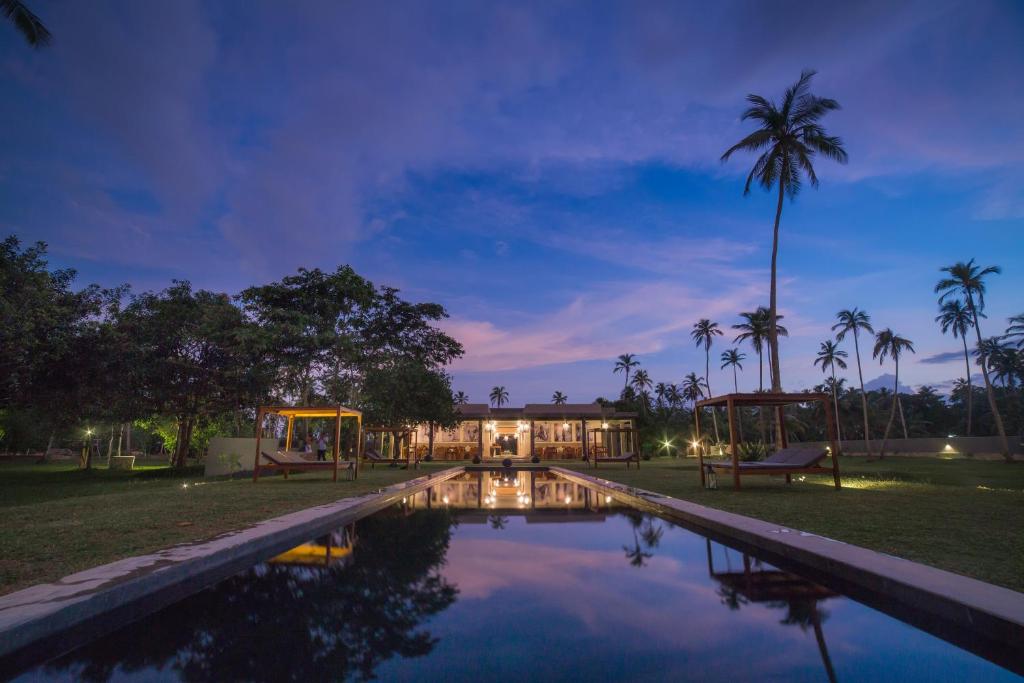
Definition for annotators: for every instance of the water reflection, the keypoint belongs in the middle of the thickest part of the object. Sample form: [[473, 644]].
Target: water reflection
[[329, 610], [756, 582]]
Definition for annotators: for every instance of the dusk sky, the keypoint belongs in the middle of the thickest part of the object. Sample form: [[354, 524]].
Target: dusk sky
[[549, 172]]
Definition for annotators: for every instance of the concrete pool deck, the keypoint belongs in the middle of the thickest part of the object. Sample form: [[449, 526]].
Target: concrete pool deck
[[82, 606]]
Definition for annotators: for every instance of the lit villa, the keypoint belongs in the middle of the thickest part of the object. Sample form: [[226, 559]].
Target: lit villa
[[547, 430]]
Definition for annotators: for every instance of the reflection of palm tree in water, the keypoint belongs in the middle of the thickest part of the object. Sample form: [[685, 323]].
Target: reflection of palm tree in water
[[330, 623], [497, 521], [646, 536], [777, 589]]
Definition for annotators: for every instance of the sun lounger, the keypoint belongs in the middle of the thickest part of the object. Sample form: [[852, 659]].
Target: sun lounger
[[287, 461], [624, 457], [788, 461]]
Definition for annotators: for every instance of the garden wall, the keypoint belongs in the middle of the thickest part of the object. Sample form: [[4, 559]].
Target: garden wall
[[229, 455], [974, 446]]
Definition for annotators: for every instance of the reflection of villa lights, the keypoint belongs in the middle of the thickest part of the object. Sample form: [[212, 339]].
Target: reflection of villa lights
[[607, 499], [403, 500], [568, 499], [526, 500], [445, 500]]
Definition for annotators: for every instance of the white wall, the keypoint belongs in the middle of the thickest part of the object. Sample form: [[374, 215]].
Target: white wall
[[226, 455]]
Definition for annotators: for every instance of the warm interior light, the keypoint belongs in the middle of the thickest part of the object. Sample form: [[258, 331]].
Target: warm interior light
[[445, 500], [568, 499], [607, 499], [565, 425], [604, 425]]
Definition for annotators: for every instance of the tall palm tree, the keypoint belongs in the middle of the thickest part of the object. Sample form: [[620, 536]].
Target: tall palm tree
[[734, 359], [692, 388], [673, 396], [830, 356], [954, 317], [755, 330], [558, 398], [968, 281], [641, 381], [28, 24], [788, 138], [888, 343], [625, 363], [854, 320], [460, 398], [499, 396], [703, 334]]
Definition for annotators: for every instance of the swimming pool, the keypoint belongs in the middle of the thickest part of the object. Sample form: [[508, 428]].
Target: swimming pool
[[518, 576]]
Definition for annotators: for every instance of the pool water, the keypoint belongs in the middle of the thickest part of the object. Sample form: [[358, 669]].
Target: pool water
[[518, 578]]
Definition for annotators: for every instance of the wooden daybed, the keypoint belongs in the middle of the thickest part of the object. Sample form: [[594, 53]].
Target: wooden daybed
[[286, 460], [293, 461], [785, 461]]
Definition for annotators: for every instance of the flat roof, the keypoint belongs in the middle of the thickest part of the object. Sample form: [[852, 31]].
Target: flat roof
[[541, 411], [310, 411]]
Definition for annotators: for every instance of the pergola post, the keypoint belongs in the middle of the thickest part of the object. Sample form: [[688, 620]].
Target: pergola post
[[780, 429], [259, 453], [583, 435], [288, 433], [830, 428], [700, 454], [733, 446], [336, 446], [359, 447]]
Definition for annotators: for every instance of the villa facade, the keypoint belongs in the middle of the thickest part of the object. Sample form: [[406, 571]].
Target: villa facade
[[547, 430]]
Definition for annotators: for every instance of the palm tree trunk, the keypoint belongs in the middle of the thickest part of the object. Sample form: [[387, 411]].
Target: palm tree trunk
[[892, 412], [988, 384], [739, 413], [903, 419], [707, 383], [863, 395], [760, 386], [835, 402], [773, 328], [970, 390], [819, 635]]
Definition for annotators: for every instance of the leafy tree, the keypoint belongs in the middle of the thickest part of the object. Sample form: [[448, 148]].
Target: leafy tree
[[888, 343], [190, 354], [788, 138], [829, 356], [28, 24], [967, 280], [499, 396], [625, 363], [956, 318], [853, 321]]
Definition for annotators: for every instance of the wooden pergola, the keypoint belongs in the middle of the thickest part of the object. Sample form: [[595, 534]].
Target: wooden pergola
[[293, 412], [778, 401], [397, 435], [612, 438]]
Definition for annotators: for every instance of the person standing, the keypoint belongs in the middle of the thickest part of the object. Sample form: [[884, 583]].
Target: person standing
[[321, 447]]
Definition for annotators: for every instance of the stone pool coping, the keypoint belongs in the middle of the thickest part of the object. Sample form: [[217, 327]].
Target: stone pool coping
[[995, 612], [135, 586]]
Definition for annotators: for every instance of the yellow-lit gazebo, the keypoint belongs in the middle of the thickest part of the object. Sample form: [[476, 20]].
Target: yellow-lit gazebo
[[288, 460]]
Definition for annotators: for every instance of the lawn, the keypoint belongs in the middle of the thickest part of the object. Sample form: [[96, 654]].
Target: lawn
[[965, 516], [58, 520]]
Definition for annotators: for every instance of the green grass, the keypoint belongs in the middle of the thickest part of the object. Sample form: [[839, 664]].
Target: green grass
[[58, 520], [964, 516]]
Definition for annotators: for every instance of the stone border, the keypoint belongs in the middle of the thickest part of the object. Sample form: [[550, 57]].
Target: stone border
[[79, 605], [966, 607]]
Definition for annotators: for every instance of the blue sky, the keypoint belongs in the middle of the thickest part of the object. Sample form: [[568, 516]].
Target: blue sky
[[548, 171]]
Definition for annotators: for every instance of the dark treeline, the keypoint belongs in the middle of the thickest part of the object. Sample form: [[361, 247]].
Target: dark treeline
[[183, 364]]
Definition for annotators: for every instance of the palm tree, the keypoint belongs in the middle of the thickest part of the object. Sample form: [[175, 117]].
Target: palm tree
[[968, 281], [673, 396], [788, 138], [755, 330], [558, 398], [460, 398], [854, 320], [1016, 329], [28, 24], [625, 363], [641, 381], [888, 343], [660, 391], [703, 334], [1003, 360], [499, 396], [829, 356], [733, 358], [954, 317], [692, 388]]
